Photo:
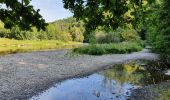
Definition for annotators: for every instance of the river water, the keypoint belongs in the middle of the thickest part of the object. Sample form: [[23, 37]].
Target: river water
[[115, 83]]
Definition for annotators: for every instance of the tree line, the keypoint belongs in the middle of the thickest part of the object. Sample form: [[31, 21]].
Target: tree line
[[65, 30]]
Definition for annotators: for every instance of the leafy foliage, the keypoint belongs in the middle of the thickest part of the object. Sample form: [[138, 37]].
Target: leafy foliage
[[20, 13], [158, 27], [106, 13]]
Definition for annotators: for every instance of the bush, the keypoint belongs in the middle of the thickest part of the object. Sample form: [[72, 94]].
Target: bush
[[108, 37], [100, 49], [117, 36], [130, 35]]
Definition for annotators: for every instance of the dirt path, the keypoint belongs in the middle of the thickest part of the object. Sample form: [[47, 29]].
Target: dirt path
[[26, 74]]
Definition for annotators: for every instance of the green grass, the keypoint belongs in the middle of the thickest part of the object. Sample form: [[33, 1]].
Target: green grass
[[164, 95], [116, 48], [162, 91], [13, 46]]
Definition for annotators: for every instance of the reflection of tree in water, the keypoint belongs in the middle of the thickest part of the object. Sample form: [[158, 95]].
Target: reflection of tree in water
[[132, 73], [124, 73], [155, 72]]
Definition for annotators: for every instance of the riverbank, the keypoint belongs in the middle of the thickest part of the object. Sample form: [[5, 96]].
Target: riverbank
[[26, 74], [10, 46], [159, 91]]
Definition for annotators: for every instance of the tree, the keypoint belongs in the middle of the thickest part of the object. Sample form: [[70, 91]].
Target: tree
[[20, 13], [105, 13], [162, 40]]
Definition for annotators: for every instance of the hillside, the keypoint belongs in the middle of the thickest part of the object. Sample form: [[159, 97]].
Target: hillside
[[65, 30]]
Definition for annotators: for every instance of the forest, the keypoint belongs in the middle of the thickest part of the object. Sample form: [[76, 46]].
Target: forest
[[65, 30]]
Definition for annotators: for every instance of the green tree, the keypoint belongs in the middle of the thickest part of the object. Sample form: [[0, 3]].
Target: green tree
[[106, 13], [162, 38], [20, 13]]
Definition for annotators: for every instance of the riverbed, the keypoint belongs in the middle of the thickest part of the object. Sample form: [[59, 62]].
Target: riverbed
[[24, 75], [115, 83]]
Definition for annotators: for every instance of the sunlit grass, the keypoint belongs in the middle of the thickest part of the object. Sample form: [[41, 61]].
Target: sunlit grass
[[112, 48], [14, 46]]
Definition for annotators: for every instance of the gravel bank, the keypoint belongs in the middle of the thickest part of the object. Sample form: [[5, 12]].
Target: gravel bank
[[26, 74]]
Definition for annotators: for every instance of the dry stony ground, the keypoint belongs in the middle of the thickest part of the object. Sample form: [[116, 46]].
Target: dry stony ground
[[23, 75]]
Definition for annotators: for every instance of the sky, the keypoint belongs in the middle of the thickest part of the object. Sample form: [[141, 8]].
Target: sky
[[51, 10]]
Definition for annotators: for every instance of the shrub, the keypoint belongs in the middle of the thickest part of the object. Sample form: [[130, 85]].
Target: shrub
[[130, 35], [117, 36], [107, 37]]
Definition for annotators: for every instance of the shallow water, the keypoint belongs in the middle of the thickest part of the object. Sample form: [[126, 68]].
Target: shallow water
[[115, 83]]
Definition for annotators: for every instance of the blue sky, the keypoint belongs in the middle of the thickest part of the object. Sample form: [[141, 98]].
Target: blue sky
[[51, 10]]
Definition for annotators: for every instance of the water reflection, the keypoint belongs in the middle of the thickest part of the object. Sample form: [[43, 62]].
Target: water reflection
[[88, 88], [115, 83], [138, 73]]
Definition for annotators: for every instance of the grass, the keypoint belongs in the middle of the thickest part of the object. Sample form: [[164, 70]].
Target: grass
[[13, 46], [113, 48], [164, 95], [162, 91]]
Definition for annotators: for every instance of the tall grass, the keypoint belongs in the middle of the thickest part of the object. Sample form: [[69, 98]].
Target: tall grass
[[13, 46], [112, 48]]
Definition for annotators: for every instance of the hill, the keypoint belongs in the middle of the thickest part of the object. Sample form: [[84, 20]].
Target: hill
[[65, 30]]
